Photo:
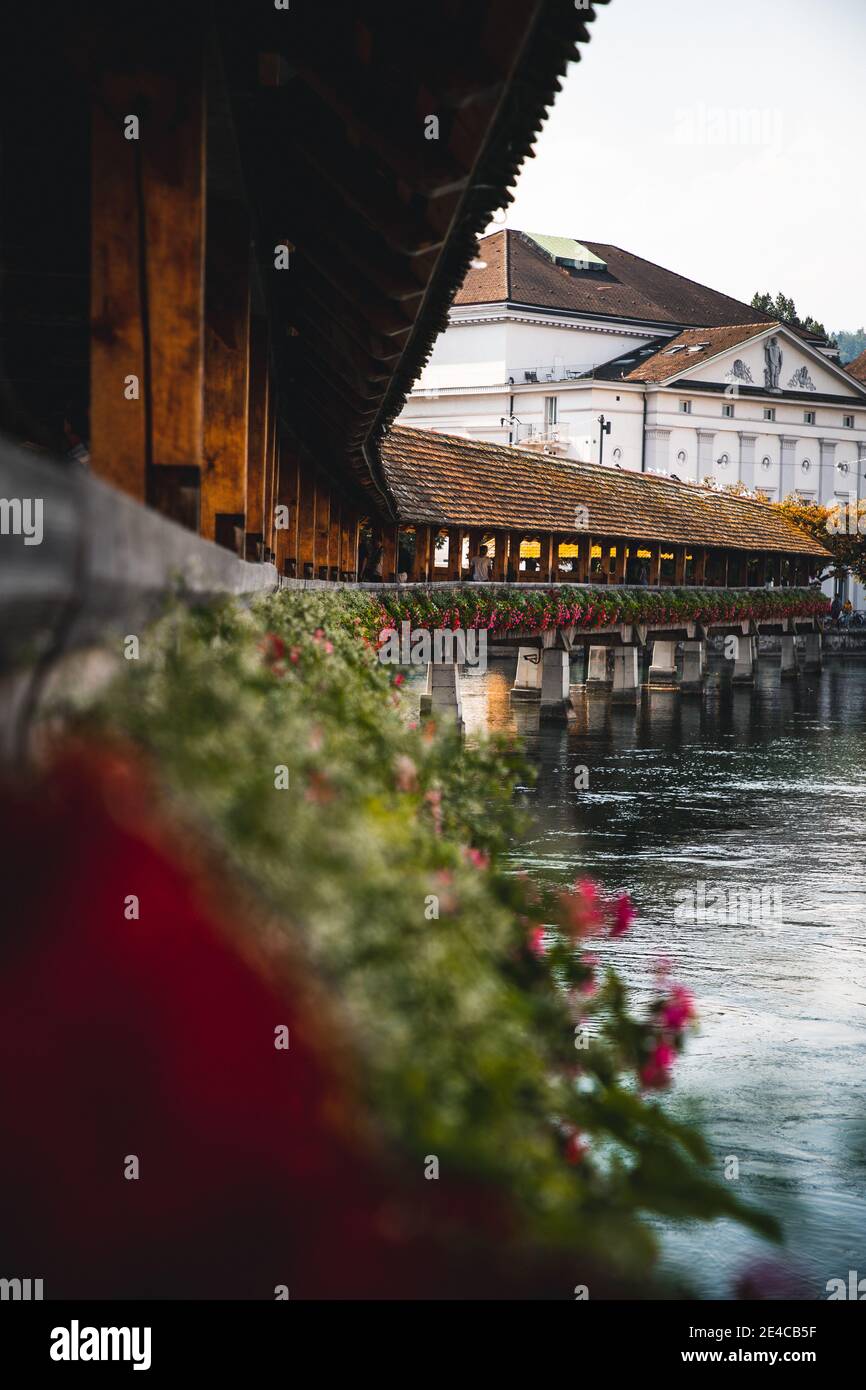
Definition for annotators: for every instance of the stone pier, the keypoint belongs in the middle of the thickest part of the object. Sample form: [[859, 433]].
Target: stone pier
[[663, 668], [555, 685], [442, 697], [694, 662], [812, 656], [527, 681], [596, 671], [625, 675], [788, 664], [744, 662]]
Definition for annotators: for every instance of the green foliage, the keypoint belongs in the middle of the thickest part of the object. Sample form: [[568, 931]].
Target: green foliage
[[464, 1025], [784, 309], [850, 344]]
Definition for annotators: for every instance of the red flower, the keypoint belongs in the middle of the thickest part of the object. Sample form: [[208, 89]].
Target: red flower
[[656, 1073], [623, 915]]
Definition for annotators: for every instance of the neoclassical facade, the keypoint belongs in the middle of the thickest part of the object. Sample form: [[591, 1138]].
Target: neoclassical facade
[[622, 362]]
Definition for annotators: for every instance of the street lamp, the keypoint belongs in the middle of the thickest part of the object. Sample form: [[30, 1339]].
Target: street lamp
[[605, 429]]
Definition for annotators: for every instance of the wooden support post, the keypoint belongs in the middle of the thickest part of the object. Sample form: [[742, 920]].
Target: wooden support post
[[549, 550], [389, 558], [307, 524], [147, 273], [514, 540], [288, 497], [227, 327], [273, 448], [655, 565], [258, 442], [619, 563], [454, 542], [423, 553], [679, 564], [323, 527], [335, 538], [700, 565], [581, 570]]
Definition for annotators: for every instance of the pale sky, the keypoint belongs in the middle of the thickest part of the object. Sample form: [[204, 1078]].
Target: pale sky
[[723, 139]]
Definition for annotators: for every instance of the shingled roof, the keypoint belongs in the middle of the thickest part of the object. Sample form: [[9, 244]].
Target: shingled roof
[[857, 368], [688, 349], [518, 270], [439, 479]]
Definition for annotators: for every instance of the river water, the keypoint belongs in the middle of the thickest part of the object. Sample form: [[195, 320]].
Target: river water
[[744, 789]]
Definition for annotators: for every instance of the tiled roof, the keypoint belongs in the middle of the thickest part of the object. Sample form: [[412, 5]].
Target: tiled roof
[[673, 356], [857, 368], [517, 269], [442, 480]]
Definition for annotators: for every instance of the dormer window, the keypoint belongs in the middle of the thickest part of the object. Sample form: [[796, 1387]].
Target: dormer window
[[698, 347], [848, 422], [672, 352], [685, 407]]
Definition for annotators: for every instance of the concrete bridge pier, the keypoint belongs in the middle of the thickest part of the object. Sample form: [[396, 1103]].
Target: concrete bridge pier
[[527, 680], [663, 667], [442, 697], [812, 657], [596, 671], [694, 664], [555, 685], [625, 676], [744, 662], [788, 663]]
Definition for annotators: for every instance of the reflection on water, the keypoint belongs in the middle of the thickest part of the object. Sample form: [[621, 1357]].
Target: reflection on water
[[750, 788]]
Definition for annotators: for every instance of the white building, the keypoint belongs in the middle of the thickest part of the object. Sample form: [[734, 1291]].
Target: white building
[[547, 335]]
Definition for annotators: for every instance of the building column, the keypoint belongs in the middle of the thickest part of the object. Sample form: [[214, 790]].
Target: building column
[[787, 465], [657, 449], [663, 667], [827, 470], [527, 679], [812, 657], [555, 685], [692, 682], [788, 663], [706, 463], [747, 458], [744, 662], [625, 675]]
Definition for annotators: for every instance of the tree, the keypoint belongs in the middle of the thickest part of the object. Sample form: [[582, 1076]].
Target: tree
[[850, 343], [839, 526], [784, 309]]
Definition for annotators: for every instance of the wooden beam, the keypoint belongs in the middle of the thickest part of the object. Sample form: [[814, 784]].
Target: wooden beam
[[147, 270], [258, 444], [227, 326], [323, 526], [307, 524], [288, 496]]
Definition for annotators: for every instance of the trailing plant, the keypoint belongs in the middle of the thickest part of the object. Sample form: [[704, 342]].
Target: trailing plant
[[489, 1034]]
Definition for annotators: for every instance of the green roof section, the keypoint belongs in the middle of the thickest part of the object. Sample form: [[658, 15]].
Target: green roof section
[[565, 248]]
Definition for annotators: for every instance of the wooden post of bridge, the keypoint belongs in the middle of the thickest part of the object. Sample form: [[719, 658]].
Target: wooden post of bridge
[[513, 562], [307, 523], [549, 554], [335, 537], [227, 362], [679, 565], [288, 497], [147, 265], [581, 569], [271, 479], [390, 541], [323, 526], [700, 564], [258, 442], [619, 563], [655, 564], [423, 553]]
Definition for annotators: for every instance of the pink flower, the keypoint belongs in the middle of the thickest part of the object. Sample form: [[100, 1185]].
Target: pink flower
[[623, 915], [656, 1073], [575, 1147], [399, 678], [581, 908], [678, 1009], [536, 941], [294, 656], [405, 774], [477, 857]]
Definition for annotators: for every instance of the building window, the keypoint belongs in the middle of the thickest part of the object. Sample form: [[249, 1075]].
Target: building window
[[808, 417], [769, 412], [848, 422], [728, 412], [766, 461], [685, 407], [549, 411], [806, 465]]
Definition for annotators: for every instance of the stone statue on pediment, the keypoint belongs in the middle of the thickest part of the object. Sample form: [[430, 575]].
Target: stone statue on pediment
[[772, 363]]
